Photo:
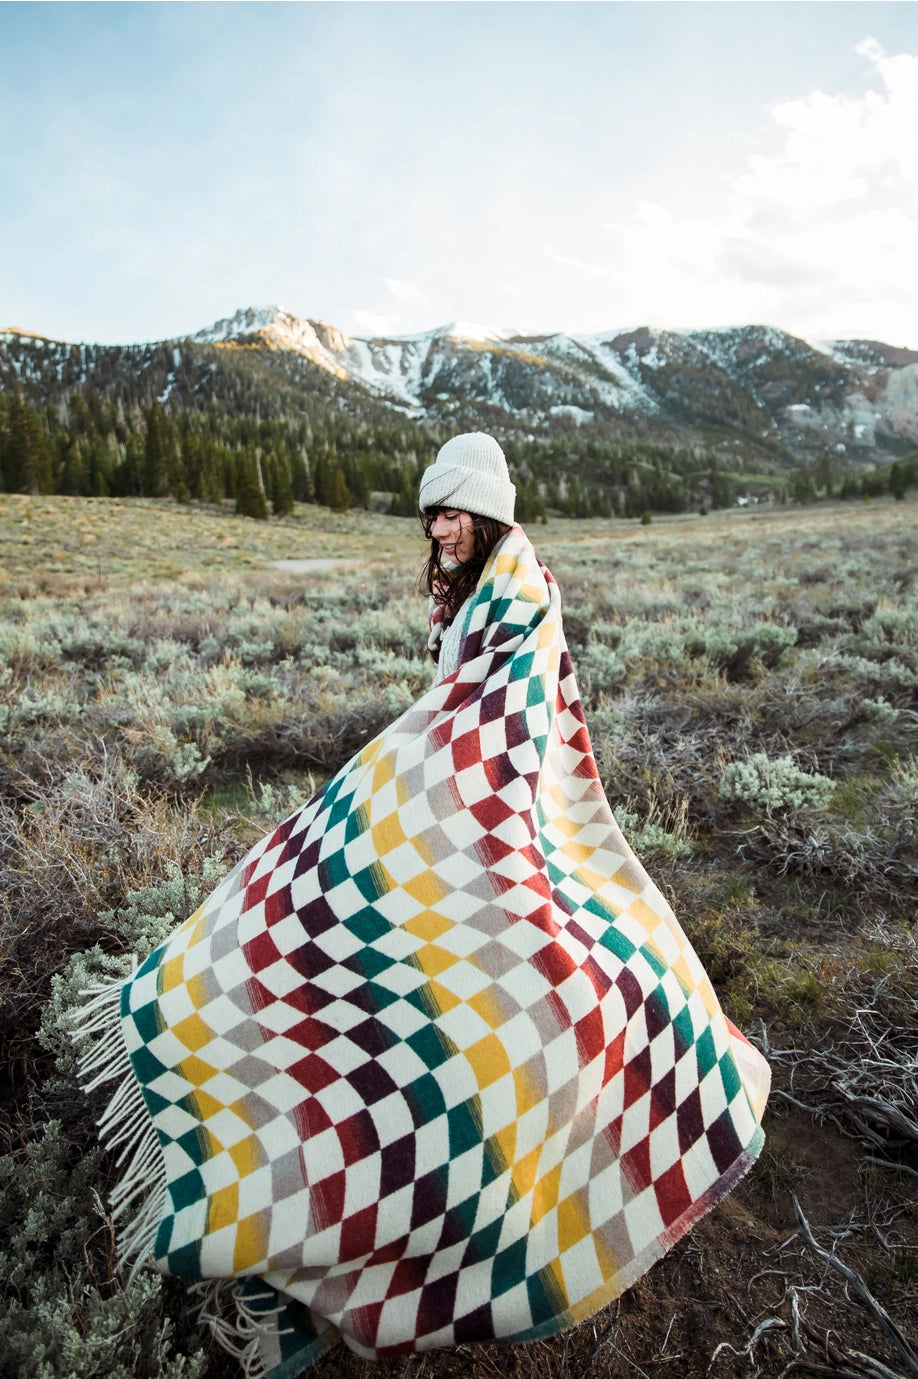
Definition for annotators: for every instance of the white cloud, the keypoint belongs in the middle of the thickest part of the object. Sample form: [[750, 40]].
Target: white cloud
[[374, 323], [750, 260], [406, 292], [591, 270], [818, 236], [838, 149], [396, 310]]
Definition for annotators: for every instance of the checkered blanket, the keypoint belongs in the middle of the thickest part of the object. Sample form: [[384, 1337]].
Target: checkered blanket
[[435, 1063]]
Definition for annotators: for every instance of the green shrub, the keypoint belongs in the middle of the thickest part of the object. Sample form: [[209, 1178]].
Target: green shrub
[[879, 710], [769, 785], [735, 651], [651, 839], [64, 1314]]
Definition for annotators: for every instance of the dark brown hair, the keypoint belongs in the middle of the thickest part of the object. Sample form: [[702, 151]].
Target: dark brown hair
[[451, 587]]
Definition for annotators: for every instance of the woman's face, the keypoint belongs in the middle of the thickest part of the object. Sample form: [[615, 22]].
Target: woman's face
[[455, 533]]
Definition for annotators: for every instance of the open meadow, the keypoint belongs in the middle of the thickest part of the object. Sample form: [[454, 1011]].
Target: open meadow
[[750, 678]]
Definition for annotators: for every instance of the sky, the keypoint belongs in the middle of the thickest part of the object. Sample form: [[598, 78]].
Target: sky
[[394, 167]]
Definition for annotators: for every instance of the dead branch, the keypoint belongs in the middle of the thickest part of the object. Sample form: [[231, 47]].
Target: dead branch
[[856, 1284]]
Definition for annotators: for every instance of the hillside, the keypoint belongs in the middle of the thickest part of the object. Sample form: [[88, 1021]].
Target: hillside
[[617, 422], [779, 394], [786, 397]]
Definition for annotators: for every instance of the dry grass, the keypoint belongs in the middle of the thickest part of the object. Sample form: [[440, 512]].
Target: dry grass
[[52, 543], [165, 693]]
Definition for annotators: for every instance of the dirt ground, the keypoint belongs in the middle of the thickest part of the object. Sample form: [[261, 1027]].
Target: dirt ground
[[722, 1302]]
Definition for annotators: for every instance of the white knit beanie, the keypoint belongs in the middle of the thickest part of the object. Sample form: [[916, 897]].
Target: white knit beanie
[[470, 474]]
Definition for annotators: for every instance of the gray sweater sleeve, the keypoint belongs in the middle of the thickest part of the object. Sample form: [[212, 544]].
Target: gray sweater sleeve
[[450, 644]]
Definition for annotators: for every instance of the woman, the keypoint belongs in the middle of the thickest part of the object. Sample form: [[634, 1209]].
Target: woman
[[466, 502], [436, 1063]]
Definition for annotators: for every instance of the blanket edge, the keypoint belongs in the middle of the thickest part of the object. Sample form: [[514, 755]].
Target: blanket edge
[[138, 1198]]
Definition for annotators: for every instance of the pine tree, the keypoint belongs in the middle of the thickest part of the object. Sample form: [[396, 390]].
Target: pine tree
[[103, 458], [74, 476], [723, 492], [192, 461], [27, 461], [280, 486], [530, 505], [156, 458], [322, 480], [302, 484], [357, 478], [339, 499], [250, 500], [130, 477], [898, 481], [803, 490], [405, 499]]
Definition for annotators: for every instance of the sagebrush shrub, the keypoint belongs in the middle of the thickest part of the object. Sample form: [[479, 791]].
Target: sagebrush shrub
[[879, 710], [652, 839], [902, 791], [64, 1314], [770, 784], [67, 1314]]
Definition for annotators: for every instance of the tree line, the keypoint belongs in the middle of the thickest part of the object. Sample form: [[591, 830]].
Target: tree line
[[265, 429], [87, 443], [95, 447], [819, 481], [92, 446]]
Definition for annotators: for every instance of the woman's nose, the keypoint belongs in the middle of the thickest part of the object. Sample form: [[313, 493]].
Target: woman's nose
[[440, 526]]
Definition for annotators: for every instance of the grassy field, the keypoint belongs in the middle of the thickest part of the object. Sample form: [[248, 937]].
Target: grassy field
[[751, 683]]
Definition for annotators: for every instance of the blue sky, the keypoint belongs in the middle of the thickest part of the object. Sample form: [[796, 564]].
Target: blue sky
[[392, 167]]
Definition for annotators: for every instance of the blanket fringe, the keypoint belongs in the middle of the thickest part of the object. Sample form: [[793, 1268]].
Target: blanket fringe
[[234, 1324], [138, 1199]]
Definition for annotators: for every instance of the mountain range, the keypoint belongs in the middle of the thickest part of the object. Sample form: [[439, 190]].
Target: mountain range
[[765, 399]]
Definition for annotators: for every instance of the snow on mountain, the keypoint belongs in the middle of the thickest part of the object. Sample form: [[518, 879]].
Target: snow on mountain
[[752, 384], [280, 329], [468, 330], [570, 374], [593, 360]]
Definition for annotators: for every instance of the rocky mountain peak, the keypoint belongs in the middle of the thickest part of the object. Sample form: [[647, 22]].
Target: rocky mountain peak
[[758, 395]]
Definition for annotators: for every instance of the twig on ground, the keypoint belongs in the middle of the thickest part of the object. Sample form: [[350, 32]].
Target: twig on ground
[[857, 1285]]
